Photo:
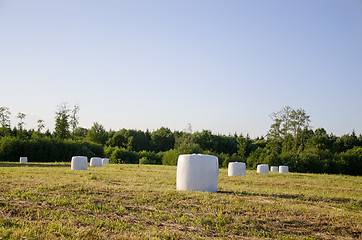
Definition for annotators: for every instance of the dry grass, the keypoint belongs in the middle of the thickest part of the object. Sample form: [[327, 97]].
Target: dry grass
[[49, 201]]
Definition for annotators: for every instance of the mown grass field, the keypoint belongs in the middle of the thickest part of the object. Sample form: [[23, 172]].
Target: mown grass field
[[49, 201]]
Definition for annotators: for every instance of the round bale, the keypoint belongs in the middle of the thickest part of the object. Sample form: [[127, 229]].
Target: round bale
[[105, 161], [237, 169], [79, 163], [197, 172], [96, 161], [262, 168], [274, 169], [283, 169], [23, 159]]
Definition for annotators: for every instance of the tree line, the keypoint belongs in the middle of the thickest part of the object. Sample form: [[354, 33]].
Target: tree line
[[289, 141]]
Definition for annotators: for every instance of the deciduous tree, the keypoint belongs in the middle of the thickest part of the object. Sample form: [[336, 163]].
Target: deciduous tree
[[74, 118], [162, 140], [97, 134], [40, 125], [21, 122], [288, 121], [62, 121], [4, 121]]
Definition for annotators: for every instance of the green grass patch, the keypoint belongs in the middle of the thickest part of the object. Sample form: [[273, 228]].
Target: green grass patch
[[49, 201]]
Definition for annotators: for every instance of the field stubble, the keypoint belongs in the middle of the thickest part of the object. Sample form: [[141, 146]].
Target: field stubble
[[49, 201]]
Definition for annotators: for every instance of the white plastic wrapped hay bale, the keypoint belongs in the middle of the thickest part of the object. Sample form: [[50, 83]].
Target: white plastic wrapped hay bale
[[283, 169], [96, 162], [79, 163], [274, 169], [197, 172], [23, 159], [262, 168], [105, 161], [236, 169]]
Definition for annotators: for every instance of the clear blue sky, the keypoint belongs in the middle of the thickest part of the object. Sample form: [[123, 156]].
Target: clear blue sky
[[224, 66]]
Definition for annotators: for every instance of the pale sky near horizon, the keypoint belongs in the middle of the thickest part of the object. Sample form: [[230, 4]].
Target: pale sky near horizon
[[223, 66]]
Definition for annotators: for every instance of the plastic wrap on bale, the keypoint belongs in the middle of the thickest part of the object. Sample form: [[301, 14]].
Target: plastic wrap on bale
[[262, 168], [283, 169], [23, 159], [79, 163], [105, 161], [95, 162], [197, 172], [236, 169], [274, 169]]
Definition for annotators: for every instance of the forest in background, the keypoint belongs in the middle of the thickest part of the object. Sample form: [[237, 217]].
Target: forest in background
[[290, 141]]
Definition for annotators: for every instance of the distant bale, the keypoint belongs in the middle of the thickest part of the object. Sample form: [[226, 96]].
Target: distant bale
[[79, 163], [262, 168], [283, 169], [274, 169], [96, 162], [105, 161], [23, 159], [236, 169], [196, 172]]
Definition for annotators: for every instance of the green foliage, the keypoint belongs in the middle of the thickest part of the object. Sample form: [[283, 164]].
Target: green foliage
[[292, 160], [122, 155], [40, 125], [118, 140], [5, 117], [46, 150], [162, 140], [256, 157], [288, 121], [215, 143], [147, 157], [74, 119], [108, 150], [62, 122], [4, 121], [144, 160], [333, 165], [21, 123], [224, 158], [79, 133], [225, 144], [351, 161], [273, 159], [242, 145], [186, 145], [97, 134], [312, 161], [170, 157], [10, 149], [289, 142], [205, 140], [347, 142], [137, 140], [130, 139]]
